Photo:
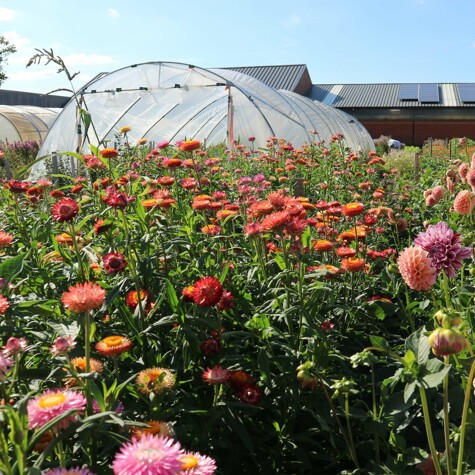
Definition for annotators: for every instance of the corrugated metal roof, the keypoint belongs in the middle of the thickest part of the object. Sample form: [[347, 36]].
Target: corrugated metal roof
[[350, 96], [284, 77]]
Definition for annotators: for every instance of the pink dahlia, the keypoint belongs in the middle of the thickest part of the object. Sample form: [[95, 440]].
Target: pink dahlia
[[53, 403], [68, 471], [444, 247], [194, 463], [416, 268], [149, 455]]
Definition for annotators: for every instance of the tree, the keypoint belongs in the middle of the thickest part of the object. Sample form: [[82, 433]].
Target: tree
[[5, 50]]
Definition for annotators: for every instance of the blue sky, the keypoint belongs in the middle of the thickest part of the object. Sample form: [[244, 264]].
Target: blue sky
[[341, 41]]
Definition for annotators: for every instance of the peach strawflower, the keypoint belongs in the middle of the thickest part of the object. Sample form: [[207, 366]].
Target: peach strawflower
[[113, 345], [416, 268], [5, 239], [155, 380], [189, 145], [352, 209], [153, 428], [463, 203], [353, 264], [4, 305], [84, 297]]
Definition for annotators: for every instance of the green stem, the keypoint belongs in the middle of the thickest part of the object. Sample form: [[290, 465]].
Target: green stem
[[375, 417], [348, 427], [448, 448], [445, 285], [463, 424], [78, 253], [430, 437]]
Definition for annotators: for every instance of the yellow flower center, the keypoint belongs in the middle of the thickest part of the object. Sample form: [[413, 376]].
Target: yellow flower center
[[113, 340], [188, 462], [51, 400]]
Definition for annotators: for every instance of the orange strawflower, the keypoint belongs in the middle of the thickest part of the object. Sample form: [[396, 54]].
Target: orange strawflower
[[113, 345]]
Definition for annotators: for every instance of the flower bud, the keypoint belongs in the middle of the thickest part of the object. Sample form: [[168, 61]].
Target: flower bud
[[447, 341], [307, 375], [448, 318]]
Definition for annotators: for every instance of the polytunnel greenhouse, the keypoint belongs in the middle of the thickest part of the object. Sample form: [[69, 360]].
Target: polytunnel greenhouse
[[174, 101], [23, 123]]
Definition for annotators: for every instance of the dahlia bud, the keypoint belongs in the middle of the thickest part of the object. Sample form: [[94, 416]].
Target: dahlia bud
[[307, 375], [447, 341], [448, 318]]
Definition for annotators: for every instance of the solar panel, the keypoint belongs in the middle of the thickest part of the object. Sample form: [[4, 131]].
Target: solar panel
[[409, 92], [466, 92], [428, 92]]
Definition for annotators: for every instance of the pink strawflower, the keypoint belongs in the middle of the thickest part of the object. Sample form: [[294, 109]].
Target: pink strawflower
[[63, 345], [463, 203], [444, 247], [69, 471], [4, 304], [216, 375], [83, 297], [194, 463], [151, 455], [416, 268], [5, 364], [15, 346], [53, 403]]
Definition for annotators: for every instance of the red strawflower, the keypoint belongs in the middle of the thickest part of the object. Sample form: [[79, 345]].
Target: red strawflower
[[65, 210], [5, 239], [187, 293], [211, 346], [109, 153], [226, 301], [250, 394], [133, 297], [101, 225], [114, 262], [17, 186], [189, 145], [207, 291], [117, 200], [239, 379], [275, 221], [215, 375]]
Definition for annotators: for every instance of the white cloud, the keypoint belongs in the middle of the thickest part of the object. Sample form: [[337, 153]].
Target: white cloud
[[82, 59], [21, 60], [16, 39], [7, 14], [113, 13], [29, 75]]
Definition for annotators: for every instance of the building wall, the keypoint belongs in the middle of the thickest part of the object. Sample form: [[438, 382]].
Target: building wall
[[415, 133]]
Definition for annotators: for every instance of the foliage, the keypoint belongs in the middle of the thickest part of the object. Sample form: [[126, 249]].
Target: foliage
[[6, 49], [19, 155]]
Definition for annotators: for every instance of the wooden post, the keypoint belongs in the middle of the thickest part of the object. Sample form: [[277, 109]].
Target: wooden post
[[417, 167], [298, 187]]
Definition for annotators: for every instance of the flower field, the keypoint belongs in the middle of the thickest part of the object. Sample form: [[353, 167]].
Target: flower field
[[192, 310]]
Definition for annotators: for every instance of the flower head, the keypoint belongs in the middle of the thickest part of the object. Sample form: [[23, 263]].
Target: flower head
[[83, 297], [463, 203], [63, 345], [194, 463], [216, 375], [352, 209], [447, 341], [207, 291], [133, 298], [4, 305], [65, 210], [114, 262], [189, 145], [416, 268], [53, 403], [15, 346], [5, 239], [149, 455], [444, 247], [250, 394], [113, 345], [155, 380], [109, 153]]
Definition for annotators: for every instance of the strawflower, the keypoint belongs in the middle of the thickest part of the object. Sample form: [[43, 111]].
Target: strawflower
[[65, 210], [53, 403], [5, 239], [15, 346], [69, 471], [84, 297], [114, 262], [63, 345], [216, 375], [5, 364], [194, 463], [207, 291], [113, 345], [155, 380], [4, 305]]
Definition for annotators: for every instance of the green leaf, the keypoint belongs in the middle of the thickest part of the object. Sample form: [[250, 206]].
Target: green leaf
[[66, 330], [424, 349], [409, 390], [432, 380], [379, 341], [172, 297], [263, 363], [11, 267]]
